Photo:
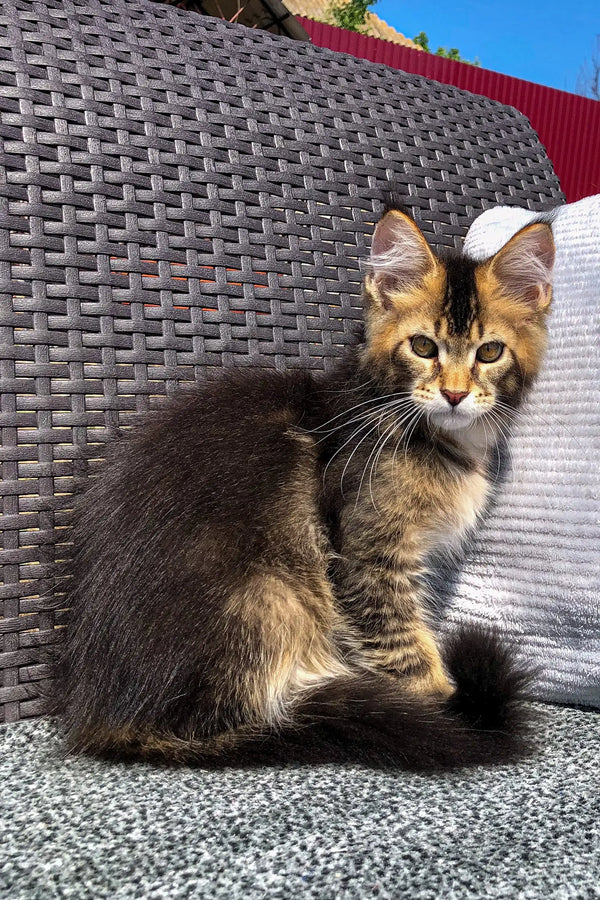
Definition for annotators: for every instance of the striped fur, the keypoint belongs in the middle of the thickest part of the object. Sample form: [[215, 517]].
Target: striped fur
[[251, 561]]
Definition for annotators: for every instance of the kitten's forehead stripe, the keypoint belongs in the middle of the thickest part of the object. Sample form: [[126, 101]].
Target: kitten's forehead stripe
[[460, 302]]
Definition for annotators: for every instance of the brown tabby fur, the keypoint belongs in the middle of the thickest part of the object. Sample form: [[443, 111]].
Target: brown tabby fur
[[252, 558]]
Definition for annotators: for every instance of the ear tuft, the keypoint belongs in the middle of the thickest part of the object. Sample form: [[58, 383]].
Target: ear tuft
[[523, 267], [400, 255], [393, 199]]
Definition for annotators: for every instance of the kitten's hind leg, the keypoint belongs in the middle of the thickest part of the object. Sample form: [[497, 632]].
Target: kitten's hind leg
[[278, 644], [290, 627]]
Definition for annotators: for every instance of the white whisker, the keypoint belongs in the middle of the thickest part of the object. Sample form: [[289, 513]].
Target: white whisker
[[503, 430], [387, 410], [346, 412], [352, 454], [410, 430], [376, 453], [339, 450], [366, 414], [379, 421], [358, 387]]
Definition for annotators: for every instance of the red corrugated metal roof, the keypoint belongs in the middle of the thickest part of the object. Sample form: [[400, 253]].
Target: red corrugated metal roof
[[568, 125]]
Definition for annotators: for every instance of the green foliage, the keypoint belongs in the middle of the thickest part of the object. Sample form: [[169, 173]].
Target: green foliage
[[423, 41], [453, 53], [351, 15]]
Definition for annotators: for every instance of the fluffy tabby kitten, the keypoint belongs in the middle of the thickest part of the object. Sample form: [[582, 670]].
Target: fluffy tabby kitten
[[251, 560]]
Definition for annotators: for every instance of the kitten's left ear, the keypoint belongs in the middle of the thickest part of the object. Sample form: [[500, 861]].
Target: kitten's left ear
[[523, 267]]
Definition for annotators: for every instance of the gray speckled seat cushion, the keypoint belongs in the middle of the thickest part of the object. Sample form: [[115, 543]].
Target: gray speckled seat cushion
[[81, 828]]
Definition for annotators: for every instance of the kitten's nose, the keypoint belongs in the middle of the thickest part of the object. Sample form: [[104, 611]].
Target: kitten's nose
[[454, 397]]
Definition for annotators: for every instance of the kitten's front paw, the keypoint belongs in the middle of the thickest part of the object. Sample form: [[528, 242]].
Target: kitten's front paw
[[434, 685]]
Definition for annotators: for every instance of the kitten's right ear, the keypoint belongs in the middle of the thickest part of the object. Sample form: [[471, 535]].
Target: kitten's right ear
[[400, 258]]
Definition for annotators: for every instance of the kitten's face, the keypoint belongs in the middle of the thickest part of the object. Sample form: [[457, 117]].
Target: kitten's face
[[461, 340]]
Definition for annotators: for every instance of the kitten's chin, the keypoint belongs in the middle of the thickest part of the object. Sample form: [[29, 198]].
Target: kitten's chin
[[469, 432], [452, 421]]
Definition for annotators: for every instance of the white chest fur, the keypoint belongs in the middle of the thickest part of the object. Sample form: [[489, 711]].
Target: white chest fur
[[460, 515]]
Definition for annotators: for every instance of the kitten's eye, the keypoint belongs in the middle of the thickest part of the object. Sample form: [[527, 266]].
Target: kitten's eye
[[490, 352], [424, 346]]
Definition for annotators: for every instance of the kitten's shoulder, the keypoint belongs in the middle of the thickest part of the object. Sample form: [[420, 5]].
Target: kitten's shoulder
[[234, 406], [245, 391]]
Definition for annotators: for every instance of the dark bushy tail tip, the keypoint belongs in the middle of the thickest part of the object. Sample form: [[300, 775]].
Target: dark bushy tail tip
[[492, 685]]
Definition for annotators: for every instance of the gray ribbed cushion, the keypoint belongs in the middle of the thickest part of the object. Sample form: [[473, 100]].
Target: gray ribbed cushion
[[535, 569]]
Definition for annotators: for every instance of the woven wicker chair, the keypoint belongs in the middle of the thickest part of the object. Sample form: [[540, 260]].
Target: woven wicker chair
[[176, 193]]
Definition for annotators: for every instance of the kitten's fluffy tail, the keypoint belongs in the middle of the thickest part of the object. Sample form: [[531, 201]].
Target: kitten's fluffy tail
[[485, 721]]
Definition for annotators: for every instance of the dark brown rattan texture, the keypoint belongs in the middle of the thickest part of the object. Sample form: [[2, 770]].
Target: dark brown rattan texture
[[176, 193]]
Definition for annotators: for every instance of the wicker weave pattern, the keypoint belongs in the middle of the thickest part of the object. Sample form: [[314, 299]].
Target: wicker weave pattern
[[178, 193]]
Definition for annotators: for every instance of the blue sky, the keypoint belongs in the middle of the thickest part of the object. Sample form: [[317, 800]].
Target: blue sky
[[546, 42]]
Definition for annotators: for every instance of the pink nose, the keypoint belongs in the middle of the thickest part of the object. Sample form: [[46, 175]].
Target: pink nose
[[454, 397]]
